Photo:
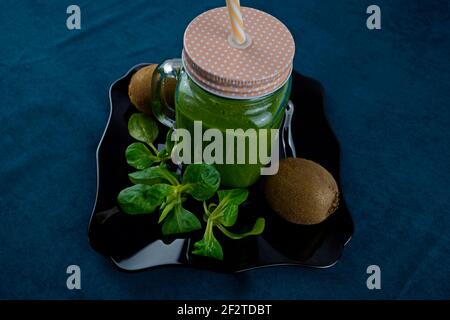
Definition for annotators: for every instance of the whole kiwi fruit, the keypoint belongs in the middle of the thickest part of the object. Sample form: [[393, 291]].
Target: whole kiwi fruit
[[140, 88], [302, 192]]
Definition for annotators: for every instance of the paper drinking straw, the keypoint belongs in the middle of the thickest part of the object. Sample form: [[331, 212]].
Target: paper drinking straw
[[237, 24]]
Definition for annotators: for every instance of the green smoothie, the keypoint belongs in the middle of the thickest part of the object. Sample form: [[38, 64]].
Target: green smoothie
[[195, 104]]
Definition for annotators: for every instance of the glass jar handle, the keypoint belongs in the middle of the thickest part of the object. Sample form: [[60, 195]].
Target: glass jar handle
[[161, 109], [286, 133]]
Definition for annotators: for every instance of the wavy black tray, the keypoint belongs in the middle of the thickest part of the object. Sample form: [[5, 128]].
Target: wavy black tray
[[135, 242]]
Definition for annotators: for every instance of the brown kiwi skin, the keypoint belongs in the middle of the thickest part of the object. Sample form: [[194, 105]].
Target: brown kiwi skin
[[140, 88], [302, 192]]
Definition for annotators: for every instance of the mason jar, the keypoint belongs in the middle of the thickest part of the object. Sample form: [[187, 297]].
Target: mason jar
[[225, 86]]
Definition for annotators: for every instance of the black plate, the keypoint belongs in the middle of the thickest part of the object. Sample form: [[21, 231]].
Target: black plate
[[135, 242]]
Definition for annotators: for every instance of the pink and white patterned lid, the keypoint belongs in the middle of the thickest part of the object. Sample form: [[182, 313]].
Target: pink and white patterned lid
[[240, 73]]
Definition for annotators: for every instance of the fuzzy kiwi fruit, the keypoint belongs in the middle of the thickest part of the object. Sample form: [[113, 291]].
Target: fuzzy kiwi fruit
[[140, 88], [302, 192]]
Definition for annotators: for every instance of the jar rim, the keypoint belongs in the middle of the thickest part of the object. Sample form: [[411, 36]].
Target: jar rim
[[234, 97]]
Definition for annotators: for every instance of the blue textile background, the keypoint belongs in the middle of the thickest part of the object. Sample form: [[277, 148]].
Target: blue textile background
[[388, 97]]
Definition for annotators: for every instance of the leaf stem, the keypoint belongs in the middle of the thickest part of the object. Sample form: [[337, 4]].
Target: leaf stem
[[208, 230], [152, 146], [166, 210], [205, 208], [171, 179]]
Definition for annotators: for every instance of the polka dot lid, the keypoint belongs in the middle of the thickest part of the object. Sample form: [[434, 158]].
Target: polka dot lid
[[215, 64]]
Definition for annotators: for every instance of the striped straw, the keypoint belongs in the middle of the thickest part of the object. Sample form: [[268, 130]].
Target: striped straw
[[237, 24]]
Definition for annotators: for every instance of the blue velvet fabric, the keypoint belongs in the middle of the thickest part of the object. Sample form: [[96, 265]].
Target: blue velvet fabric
[[388, 95]]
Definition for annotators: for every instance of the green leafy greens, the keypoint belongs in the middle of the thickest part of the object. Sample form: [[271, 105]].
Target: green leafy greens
[[158, 189], [223, 215], [143, 128]]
